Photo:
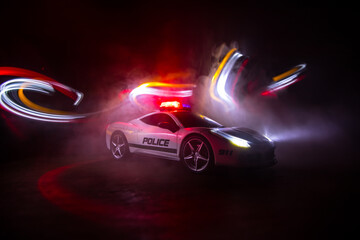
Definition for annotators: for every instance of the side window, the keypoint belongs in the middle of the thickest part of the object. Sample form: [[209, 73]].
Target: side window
[[166, 118], [157, 118], [168, 123], [151, 120]]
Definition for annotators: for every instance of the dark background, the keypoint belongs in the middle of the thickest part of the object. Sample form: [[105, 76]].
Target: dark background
[[95, 46], [87, 44]]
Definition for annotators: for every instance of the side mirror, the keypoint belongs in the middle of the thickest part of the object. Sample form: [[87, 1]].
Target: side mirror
[[168, 126]]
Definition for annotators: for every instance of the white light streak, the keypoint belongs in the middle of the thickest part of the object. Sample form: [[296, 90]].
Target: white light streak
[[224, 75], [45, 87]]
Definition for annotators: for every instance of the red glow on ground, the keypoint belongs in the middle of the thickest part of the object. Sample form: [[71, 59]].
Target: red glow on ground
[[150, 211], [51, 187]]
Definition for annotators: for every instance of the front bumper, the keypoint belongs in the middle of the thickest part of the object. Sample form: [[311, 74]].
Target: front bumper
[[259, 156], [258, 159]]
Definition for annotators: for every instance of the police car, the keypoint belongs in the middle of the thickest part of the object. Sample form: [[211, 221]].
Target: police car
[[199, 142]]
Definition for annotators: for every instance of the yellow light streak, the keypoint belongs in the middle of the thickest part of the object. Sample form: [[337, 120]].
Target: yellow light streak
[[36, 107], [286, 74], [169, 85], [217, 73]]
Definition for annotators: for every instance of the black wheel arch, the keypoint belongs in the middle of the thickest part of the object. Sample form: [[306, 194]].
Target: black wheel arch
[[121, 132], [125, 139]]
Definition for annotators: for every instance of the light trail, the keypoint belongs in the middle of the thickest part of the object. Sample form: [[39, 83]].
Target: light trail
[[285, 79], [32, 110], [216, 75], [224, 76], [24, 73], [162, 90], [289, 72]]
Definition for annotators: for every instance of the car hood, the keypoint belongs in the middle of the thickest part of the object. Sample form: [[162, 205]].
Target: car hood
[[243, 133]]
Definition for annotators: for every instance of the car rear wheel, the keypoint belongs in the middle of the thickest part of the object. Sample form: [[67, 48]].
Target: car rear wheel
[[196, 154], [118, 145]]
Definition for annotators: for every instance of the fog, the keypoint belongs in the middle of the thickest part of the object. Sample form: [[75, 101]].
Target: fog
[[283, 117], [102, 51]]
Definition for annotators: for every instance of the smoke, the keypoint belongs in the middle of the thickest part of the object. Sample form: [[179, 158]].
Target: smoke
[[114, 105], [274, 116]]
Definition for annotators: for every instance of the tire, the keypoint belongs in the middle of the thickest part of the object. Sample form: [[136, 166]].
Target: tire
[[119, 146], [196, 154]]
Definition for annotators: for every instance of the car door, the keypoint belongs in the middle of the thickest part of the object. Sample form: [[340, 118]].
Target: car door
[[159, 137]]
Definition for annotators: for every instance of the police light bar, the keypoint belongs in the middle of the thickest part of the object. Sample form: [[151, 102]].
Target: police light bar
[[174, 104]]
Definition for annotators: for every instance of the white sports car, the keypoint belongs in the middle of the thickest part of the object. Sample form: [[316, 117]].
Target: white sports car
[[197, 141]]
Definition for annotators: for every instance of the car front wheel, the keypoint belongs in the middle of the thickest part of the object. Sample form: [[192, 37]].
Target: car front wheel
[[196, 154]]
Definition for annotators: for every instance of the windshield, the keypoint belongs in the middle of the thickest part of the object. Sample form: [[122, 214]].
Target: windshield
[[189, 119]]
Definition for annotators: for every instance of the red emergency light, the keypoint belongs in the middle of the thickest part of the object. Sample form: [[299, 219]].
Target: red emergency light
[[173, 104]]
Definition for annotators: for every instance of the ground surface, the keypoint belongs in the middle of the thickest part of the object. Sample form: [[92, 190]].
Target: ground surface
[[311, 193], [55, 185]]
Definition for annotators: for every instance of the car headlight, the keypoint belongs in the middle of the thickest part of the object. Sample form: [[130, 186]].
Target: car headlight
[[239, 142]]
